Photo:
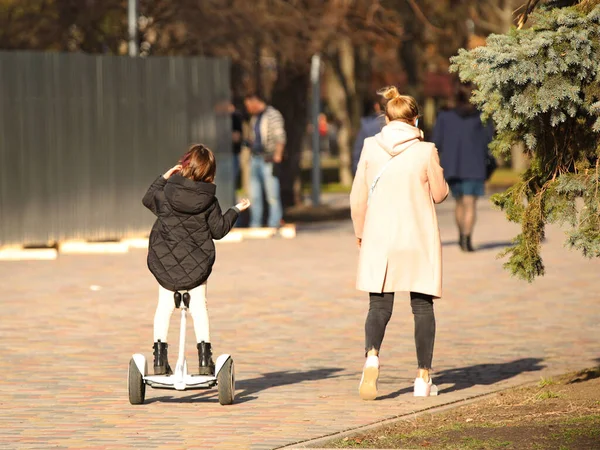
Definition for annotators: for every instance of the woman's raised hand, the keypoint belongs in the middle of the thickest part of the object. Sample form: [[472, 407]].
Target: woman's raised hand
[[171, 171]]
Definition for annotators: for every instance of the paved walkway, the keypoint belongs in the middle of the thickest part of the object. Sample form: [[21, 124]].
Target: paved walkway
[[288, 312]]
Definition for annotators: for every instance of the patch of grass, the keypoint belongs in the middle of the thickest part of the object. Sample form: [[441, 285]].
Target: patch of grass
[[331, 188], [544, 382], [469, 443], [454, 427], [583, 431], [504, 177], [590, 419], [546, 395], [557, 413], [327, 162]]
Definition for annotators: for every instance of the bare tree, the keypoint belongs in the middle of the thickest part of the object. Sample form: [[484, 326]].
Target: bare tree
[[290, 32], [494, 16], [270, 43], [92, 26]]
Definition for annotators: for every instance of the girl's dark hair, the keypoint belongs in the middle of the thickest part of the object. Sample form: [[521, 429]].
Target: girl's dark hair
[[199, 164]]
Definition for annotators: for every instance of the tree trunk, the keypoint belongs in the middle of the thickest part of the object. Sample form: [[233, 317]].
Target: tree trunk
[[341, 90], [507, 8], [408, 53], [363, 71], [290, 95], [258, 79]]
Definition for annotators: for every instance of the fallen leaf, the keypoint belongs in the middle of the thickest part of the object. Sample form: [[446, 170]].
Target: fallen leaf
[[469, 420]]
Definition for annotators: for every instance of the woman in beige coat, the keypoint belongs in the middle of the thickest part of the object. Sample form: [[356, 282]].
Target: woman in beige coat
[[398, 181]]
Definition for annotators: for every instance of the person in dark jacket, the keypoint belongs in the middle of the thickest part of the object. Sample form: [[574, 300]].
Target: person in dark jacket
[[370, 125], [181, 250], [463, 140]]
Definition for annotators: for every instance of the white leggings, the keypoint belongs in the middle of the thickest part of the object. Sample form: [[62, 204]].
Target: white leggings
[[198, 311]]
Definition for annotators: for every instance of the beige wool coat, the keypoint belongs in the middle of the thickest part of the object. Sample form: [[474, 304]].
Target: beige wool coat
[[401, 249]]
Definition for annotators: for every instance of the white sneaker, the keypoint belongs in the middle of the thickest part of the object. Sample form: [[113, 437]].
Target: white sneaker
[[423, 389], [368, 382]]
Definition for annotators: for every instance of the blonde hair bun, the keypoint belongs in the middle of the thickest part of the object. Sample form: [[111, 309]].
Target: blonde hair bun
[[399, 107], [389, 92]]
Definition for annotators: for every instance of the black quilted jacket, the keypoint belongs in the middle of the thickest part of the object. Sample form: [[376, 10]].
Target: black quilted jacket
[[181, 252]]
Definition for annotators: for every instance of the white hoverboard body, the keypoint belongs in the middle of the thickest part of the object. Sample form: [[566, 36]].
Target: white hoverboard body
[[181, 380]]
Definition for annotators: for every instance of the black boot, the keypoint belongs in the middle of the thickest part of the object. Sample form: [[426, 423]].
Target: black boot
[[161, 361], [207, 366], [465, 244], [462, 242]]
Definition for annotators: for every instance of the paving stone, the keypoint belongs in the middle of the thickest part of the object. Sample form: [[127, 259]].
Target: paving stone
[[288, 312]]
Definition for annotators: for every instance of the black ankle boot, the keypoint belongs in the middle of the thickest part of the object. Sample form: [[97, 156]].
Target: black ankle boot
[[462, 242], [161, 361], [465, 244], [207, 366]]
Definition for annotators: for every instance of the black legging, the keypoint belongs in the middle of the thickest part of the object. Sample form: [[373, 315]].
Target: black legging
[[380, 312]]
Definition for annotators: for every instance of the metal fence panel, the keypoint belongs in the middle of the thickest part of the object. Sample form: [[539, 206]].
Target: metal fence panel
[[83, 136]]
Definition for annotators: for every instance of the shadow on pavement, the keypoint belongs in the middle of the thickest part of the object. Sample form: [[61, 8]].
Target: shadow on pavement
[[482, 247], [480, 374], [586, 375], [494, 245], [204, 396], [275, 379], [323, 226], [312, 214], [246, 389]]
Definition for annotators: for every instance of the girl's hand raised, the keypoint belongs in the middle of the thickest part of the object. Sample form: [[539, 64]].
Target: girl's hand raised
[[243, 205], [171, 171]]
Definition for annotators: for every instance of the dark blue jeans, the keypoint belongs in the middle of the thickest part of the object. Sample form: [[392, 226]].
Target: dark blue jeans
[[380, 312]]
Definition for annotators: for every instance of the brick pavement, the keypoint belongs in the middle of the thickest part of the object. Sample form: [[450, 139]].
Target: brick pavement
[[288, 312]]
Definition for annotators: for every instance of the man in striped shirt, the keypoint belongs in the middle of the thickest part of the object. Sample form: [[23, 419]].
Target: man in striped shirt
[[267, 143]]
